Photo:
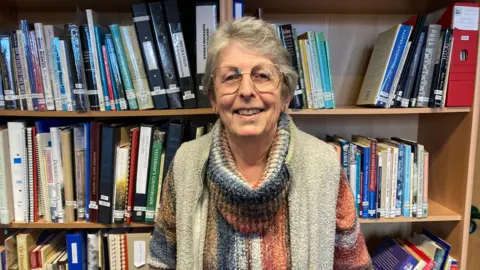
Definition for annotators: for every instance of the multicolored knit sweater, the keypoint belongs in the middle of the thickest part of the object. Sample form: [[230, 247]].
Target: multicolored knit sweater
[[248, 227]]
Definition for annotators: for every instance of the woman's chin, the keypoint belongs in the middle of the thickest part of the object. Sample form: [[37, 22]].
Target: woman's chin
[[248, 131]]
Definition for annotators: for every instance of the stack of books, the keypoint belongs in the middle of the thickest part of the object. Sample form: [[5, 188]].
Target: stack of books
[[421, 251], [388, 176], [76, 249], [91, 171], [415, 64], [91, 65]]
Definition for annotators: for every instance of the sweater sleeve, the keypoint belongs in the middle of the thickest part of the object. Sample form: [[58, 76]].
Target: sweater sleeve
[[350, 249], [163, 245]]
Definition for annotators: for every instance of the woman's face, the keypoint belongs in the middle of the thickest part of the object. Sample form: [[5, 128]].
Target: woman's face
[[247, 112]]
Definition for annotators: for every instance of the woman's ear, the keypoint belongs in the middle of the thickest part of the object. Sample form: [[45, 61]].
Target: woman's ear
[[211, 97]]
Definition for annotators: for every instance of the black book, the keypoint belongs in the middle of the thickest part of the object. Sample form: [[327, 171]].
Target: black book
[[90, 71], [173, 142], [167, 63], [286, 33], [75, 61], [412, 72], [19, 72], [414, 38], [12, 102], [141, 19], [181, 56], [439, 79]]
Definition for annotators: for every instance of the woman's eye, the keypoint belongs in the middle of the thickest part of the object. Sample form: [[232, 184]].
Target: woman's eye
[[230, 78], [262, 76]]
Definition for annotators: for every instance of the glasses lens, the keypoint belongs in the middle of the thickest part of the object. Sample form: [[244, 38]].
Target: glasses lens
[[265, 78]]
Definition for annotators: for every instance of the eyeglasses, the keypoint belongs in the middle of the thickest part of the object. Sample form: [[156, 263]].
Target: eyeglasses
[[265, 78]]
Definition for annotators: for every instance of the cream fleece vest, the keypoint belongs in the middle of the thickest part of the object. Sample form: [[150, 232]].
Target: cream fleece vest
[[315, 171]]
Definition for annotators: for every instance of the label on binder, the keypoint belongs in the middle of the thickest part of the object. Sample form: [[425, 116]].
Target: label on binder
[[139, 254], [74, 253], [102, 203]]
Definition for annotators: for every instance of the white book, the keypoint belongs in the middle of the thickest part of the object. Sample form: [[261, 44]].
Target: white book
[[393, 206], [93, 250], [121, 176], [42, 141], [206, 16], [388, 181], [412, 181], [66, 77], [143, 162], [30, 196], [26, 78], [6, 197], [47, 83], [92, 20], [381, 160], [353, 169], [17, 162], [57, 172], [51, 188], [49, 32]]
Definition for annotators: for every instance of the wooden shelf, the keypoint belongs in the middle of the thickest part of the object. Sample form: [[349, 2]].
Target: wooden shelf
[[436, 212], [343, 110], [72, 225]]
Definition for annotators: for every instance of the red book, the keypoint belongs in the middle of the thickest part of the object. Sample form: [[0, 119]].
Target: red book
[[35, 174], [109, 79], [134, 141], [430, 263], [95, 147], [37, 71]]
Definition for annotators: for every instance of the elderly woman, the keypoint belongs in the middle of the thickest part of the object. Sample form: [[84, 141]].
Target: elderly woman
[[256, 192]]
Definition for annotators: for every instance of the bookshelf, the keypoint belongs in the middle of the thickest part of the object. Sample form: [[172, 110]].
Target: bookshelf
[[351, 26]]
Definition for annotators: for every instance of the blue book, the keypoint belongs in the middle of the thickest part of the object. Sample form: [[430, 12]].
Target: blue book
[[365, 167], [43, 126], [87, 170], [58, 71], [406, 207], [110, 57], [77, 251], [100, 38], [403, 35], [322, 57], [358, 158], [4, 259], [389, 255], [400, 178], [118, 89]]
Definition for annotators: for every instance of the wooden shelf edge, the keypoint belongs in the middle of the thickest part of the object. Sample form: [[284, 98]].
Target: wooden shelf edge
[[71, 225], [436, 213], [343, 110]]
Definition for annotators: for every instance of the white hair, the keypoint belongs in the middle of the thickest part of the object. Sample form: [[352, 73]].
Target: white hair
[[257, 35]]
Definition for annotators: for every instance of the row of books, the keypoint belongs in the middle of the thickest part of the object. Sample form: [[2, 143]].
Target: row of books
[[423, 250], [423, 62], [388, 177], [91, 171], [76, 249], [92, 65]]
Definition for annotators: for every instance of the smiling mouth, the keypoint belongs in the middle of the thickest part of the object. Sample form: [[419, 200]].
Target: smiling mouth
[[248, 112]]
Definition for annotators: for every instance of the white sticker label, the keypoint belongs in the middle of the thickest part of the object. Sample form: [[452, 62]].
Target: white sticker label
[[140, 208], [106, 204], [158, 91], [92, 92], [141, 18], [103, 197], [300, 91], [93, 205], [150, 55], [465, 18], [139, 254], [464, 37], [69, 203], [180, 54], [8, 92], [173, 90], [74, 253], [188, 95], [130, 95], [118, 214], [123, 103], [150, 214]]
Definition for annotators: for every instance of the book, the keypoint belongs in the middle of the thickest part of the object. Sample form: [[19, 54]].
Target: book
[[144, 148], [6, 195], [17, 164], [89, 65], [8, 72], [77, 251], [390, 255], [93, 20], [158, 138], [121, 178]]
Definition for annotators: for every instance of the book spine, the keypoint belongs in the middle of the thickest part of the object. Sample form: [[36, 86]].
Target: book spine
[[96, 55], [6, 198], [121, 178], [90, 71], [425, 185], [142, 174], [58, 173], [289, 44], [380, 195], [93, 250], [123, 66], [132, 174], [12, 100], [322, 55], [59, 73], [366, 179], [137, 70], [67, 76], [206, 21], [329, 69], [393, 200], [306, 73], [318, 89], [37, 73], [428, 65], [37, 185], [396, 81], [42, 54], [166, 57], [68, 174], [115, 74], [77, 69], [30, 195], [413, 69], [108, 146], [95, 144], [28, 69], [109, 70], [180, 53], [400, 179], [111, 95], [149, 53], [103, 94], [153, 185], [444, 63], [420, 173], [86, 130], [301, 80], [51, 62], [358, 183], [51, 184], [395, 58], [80, 183], [26, 93], [372, 185]]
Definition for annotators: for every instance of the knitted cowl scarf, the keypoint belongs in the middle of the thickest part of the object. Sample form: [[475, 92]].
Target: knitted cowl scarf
[[249, 210]]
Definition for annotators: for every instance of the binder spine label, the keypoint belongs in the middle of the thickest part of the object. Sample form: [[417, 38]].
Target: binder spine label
[[180, 54]]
